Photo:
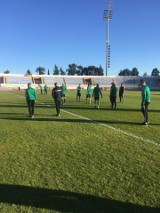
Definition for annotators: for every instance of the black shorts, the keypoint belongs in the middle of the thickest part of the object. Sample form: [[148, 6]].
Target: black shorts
[[78, 94], [63, 95], [88, 96], [121, 94], [113, 99], [96, 98]]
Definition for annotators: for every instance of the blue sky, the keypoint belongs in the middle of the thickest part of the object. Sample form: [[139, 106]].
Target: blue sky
[[43, 33]]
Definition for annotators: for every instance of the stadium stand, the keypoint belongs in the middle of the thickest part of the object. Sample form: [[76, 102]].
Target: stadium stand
[[73, 81], [17, 82], [50, 80], [11, 81], [103, 81]]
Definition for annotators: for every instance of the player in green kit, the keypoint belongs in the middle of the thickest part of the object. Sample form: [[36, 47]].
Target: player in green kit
[[30, 94], [79, 92], [57, 96], [64, 91], [88, 94], [41, 89], [97, 94], [45, 89], [145, 101], [113, 95]]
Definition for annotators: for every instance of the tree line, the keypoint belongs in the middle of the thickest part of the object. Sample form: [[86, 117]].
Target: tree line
[[135, 72], [74, 69]]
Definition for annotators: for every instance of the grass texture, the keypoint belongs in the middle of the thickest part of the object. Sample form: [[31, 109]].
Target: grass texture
[[86, 160]]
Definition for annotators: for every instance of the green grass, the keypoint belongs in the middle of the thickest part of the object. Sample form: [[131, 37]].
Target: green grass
[[70, 164]]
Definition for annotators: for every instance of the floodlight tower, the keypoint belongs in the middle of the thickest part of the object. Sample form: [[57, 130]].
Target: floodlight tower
[[108, 16]]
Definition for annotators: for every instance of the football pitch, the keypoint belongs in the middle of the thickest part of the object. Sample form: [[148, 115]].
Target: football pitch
[[86, 160]]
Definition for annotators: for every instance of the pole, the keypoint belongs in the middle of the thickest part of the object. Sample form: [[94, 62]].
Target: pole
[[107, 45], [107, 16]]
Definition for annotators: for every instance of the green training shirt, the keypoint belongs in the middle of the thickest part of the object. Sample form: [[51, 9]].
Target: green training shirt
[[146, 94], [97, 92], [45, 87], [89, 90], [64, 90], [79, 90], [113, 91], [30, 94]]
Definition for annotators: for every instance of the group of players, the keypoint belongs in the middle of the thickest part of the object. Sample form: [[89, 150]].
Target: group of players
[[97, 94], [59, 96]]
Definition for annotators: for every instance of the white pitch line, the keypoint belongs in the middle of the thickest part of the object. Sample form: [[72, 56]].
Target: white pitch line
[[115, 129], [108, 126]]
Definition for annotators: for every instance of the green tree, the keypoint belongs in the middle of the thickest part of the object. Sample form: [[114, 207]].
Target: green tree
[[72, 69], [28, 72], [62, 72], [48, 72], [7, 72], [125, 72], [85, 71], [100, 70], [134, 72], [145, 74], [91, 70], [41, 70], [155, 72], [56, 70], [79, 70]]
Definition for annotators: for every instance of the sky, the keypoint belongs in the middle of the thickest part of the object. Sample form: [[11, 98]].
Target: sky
[[45, 33]]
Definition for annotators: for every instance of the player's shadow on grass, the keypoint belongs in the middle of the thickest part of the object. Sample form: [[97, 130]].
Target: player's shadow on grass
[[25, 106], [107, 109], [59, 119], [135, 110], [12, 106], [65, 201], [9, 113], [88, 107]]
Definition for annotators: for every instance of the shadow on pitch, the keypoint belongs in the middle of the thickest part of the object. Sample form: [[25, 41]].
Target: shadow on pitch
[[54, 118], [65, 201], [107, 109], [87, 107], [25, 106]]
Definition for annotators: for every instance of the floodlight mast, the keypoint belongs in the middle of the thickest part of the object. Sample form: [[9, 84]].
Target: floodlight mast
[[108, 16]]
